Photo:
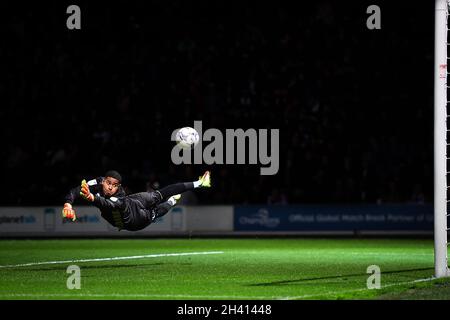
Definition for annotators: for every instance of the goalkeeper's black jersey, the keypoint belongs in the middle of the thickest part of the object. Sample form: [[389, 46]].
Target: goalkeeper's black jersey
[[128, 213]]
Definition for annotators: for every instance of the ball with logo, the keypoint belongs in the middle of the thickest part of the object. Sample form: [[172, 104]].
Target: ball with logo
[[187, 138]]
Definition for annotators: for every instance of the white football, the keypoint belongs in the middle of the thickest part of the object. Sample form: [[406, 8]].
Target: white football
[[187, 138]]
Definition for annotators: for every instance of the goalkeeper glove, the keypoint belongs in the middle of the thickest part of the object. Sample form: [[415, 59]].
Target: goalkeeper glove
[[85, 193], [68, 212]]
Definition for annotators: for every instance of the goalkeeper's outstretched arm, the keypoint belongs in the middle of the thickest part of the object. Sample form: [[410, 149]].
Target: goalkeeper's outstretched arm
[[73, 194], [67, 211]]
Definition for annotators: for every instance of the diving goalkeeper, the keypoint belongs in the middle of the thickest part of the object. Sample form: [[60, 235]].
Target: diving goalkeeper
[[136, 211]]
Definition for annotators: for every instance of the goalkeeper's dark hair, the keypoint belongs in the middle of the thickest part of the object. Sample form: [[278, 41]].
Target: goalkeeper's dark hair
[[114, 174]]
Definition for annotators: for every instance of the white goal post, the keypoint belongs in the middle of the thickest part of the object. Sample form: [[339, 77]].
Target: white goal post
[[440, 140]]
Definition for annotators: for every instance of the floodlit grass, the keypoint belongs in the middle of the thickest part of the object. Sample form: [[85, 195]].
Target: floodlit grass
[[235, 269]]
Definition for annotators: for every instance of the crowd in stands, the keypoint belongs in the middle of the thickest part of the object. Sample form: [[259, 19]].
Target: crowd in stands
[[354, 107]]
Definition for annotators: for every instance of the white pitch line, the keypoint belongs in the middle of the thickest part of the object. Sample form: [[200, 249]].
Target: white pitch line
[[356, 290], [111, 259]]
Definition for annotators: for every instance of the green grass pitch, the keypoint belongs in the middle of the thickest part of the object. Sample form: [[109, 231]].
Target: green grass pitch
[[222, 269]]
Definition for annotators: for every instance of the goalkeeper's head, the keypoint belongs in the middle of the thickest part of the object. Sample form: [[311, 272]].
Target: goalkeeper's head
[[111, 183]]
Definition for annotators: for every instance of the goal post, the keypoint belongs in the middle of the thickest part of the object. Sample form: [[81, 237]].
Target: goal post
[[440, 140]]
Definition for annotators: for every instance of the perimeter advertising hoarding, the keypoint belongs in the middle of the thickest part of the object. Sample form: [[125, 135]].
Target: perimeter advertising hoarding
[[334, 218]]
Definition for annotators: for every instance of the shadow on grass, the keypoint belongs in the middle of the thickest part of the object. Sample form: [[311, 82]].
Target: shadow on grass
[[343, 276]]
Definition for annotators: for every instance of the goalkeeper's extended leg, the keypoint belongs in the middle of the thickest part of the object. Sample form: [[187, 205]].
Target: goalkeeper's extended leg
[[150, 199], [177, 188]]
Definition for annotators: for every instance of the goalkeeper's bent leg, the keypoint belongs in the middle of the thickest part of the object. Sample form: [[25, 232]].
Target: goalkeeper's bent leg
[[150, 199], [161, 209], [164, 207]]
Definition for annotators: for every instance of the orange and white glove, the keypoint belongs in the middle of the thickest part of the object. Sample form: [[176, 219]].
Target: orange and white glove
[[68, 212], [85, 193]]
